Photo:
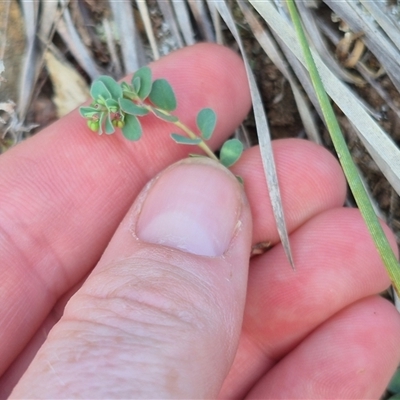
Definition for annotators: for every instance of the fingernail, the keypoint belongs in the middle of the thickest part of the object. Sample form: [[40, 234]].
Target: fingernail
[[193, 206]]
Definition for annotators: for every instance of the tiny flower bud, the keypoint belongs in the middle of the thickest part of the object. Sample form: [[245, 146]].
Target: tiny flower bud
[[93, 125]]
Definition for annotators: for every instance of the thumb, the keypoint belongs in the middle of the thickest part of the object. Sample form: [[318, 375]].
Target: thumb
[[160, 315]]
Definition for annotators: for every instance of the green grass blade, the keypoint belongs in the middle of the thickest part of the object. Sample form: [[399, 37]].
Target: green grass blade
[[346, 161]]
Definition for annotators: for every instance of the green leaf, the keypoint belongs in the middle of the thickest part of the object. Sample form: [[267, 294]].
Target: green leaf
[[394, 397], [394, 384], [98, 90], [192, 155], [136, 84], [162, 95], [125, 87], [230, 152], [165, 117], [101, 121], [195, 155], [184, 139], [240, 179], [206, 121], [112, 86], [128, 92], [145, 82], [88, 112], [109, 126], [132, 129], [112, 105], [130, 107]]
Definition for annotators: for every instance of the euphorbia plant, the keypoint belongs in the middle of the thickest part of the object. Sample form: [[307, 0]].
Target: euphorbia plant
[[120, 105]]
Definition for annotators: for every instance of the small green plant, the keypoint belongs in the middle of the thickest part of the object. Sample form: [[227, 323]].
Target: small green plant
[[120, 105], [394, 387]]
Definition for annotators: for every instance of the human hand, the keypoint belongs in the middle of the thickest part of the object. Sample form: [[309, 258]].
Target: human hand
[[131, 318]]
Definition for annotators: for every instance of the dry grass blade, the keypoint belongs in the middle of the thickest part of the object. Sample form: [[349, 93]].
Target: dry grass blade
[[115, 66], [169, 17], [68, 32], [383, 20], [144, 13], [129, 40], [268, 45], [184, 22], [3, 29], [28, 74], [371, 79], [314, 36], [376, 40], [300, 72], [202, 19], [381, 147], [46, 26], [263, 136], [216, 20], [379, 89], [319, 26]]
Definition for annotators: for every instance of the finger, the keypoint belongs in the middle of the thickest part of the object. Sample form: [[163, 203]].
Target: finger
[[310, 180], [20, 364], [160, 315], [351, 356], [337, 264], [303, 168], [64, 191]]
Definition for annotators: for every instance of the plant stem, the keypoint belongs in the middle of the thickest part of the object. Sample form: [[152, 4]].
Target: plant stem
[[349, 168], [203, 145]]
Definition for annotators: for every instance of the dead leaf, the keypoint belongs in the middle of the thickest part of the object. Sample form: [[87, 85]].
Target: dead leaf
[[70, 89]]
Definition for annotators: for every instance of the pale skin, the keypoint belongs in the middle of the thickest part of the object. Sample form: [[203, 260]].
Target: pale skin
[[149, 321]]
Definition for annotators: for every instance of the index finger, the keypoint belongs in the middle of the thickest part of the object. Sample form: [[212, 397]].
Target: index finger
[[65, 190]]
